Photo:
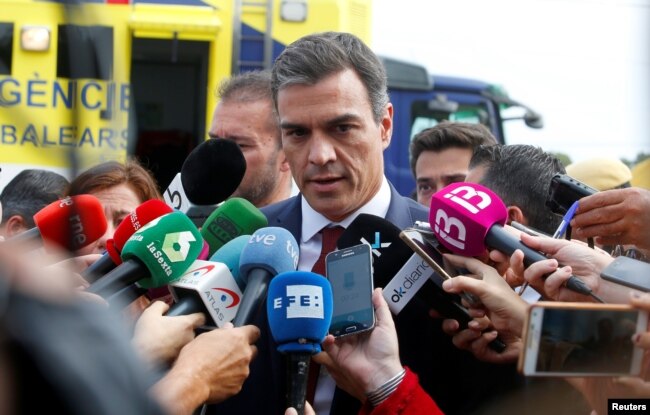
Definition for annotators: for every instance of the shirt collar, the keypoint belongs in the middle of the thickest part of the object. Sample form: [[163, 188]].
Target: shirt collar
[[313, 222]]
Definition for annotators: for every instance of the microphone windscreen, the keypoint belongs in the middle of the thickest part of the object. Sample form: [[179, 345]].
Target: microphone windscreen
[[236, 216], [212, 171], [272, 249], [299, 308], [461, 215], [143, 214], [230, 254], [73, 222], [389, 251], [167, 246]]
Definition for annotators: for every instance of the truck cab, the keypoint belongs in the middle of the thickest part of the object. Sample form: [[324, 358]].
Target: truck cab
[[422, 100]]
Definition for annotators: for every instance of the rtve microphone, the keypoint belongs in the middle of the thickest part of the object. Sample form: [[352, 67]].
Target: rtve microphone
[[160, 252], [269, 252], [69, 223], [142, 215], [236, 216], [211, 287], [210, 174], [299, 309], [467, 218], [406, 278]]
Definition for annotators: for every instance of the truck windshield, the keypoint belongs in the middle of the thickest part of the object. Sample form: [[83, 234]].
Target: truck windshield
[[422, 116]]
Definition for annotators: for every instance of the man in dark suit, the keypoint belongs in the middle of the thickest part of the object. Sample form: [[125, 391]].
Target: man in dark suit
[[336, 120]]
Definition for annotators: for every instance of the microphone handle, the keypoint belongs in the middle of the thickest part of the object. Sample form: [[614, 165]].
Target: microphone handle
[[186, 305], [31, 235], [253, 297], [125, 296], [500, 239], [99, 268], [297, 377], [127, 273]]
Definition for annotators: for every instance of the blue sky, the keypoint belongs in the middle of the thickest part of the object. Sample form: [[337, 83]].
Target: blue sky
[[583, 64]]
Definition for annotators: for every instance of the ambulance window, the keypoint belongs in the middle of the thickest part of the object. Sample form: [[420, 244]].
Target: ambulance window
[[6, 47], [85, 52]]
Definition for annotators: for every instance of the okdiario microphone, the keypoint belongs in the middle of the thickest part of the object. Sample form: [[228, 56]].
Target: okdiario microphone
[[70, 223], [143, 214], [299, 308], [269, 252], [159, 253], [406, 278], [235, 216], [210, 174], [467, 218], [212, 287]]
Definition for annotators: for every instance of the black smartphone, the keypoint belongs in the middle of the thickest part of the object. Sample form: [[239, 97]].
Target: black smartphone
[[349, 271], [628, 272]]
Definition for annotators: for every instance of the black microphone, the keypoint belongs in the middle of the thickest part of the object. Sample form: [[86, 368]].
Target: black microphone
[[210, 174], [407, 278]]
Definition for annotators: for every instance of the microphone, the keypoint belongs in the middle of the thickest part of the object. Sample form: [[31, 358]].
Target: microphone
[[210, 174], [70, 223], [236, 216], [299, 310], [142, 215], [467, 218], [212, 287], [406, 278], [160, 252], [269, 252]]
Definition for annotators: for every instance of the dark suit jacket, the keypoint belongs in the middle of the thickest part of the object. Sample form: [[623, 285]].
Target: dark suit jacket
[[444, 371]]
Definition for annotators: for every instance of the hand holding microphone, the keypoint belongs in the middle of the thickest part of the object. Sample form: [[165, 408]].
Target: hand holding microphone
[[468, 217]]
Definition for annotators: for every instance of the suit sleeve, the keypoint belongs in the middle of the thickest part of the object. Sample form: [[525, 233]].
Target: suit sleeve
[[408, 399]]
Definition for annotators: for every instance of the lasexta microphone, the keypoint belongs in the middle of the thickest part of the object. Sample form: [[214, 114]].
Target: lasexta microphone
[[212, 287], [468, 218], [269, 252], [70, 223], [234, 217], [299, 309], [142, 215], [210, 174], [160, 252]]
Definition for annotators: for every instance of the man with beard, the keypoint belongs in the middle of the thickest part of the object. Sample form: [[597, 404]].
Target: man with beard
[[246, 115]]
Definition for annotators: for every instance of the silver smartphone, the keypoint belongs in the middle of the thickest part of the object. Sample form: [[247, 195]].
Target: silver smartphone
[[349, 271], [582, 339]]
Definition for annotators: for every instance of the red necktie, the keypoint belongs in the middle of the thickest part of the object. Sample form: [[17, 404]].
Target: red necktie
[[330, 237]]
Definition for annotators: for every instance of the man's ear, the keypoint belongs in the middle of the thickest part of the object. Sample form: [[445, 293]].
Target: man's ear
[[515, 214], [284, 163], [15, 225]]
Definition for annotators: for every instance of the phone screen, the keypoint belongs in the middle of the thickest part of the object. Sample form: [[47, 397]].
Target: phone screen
[[349, 271], [573, 341]]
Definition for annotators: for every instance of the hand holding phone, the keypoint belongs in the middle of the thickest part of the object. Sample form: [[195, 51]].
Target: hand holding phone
[[582, 339], [349, 271]]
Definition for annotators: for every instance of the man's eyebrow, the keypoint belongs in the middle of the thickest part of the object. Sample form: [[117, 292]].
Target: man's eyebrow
[[333, 121], [343, 118]]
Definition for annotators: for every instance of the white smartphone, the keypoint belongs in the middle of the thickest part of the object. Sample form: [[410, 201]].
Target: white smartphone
[[349, 271], [582, 339]]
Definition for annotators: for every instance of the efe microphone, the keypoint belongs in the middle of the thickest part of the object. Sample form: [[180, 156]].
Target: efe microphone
[[299, 309]]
